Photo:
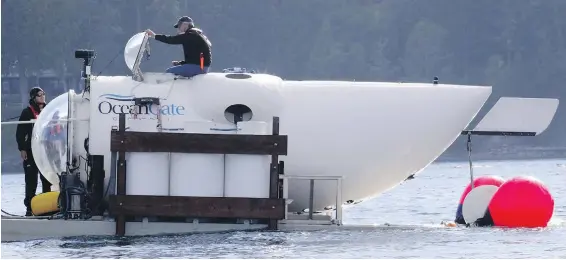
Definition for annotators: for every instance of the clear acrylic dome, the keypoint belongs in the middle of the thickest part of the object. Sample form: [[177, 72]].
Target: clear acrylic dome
[[132, 49], [49, 140]]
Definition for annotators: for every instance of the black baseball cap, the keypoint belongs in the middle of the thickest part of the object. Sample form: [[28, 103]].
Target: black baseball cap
[[184, 19]]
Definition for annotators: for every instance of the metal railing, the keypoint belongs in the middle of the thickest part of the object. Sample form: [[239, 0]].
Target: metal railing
[[34, 120], [338, 179]]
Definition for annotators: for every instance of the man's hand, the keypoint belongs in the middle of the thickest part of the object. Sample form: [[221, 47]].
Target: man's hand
[[24, 155], [150, 33]]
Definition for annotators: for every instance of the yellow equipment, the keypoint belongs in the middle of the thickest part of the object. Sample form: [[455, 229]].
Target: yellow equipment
[[45, 203]]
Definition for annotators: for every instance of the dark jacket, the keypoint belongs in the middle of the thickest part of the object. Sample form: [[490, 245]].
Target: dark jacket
[[194, 43], [24, 131]]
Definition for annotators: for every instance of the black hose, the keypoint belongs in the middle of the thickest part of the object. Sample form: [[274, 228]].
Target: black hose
[[10, 214], [30, 217]]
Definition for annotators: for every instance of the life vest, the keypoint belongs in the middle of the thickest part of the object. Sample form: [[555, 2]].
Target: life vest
[[56, 129], [35, 113], [199, 32]]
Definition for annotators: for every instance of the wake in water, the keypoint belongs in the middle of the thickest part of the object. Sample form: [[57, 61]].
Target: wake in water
[[556, 222]]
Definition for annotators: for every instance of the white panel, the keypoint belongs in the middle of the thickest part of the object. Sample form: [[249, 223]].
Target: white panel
[[248, 175], [519, 115], [147, 174], [199, 175]]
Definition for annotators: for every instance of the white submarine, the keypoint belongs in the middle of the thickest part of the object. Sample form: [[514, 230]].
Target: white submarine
[[356, 139]]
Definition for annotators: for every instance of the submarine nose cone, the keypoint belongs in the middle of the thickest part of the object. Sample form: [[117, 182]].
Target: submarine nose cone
[[49, 140]]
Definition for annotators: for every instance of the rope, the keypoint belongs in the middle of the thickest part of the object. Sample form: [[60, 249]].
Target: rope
[[112, 60]]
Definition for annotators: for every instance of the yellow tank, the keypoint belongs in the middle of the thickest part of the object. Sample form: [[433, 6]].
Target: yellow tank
[[45, 203]]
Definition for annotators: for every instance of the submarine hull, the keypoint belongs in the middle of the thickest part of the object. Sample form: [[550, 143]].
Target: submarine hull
[[374, 134]]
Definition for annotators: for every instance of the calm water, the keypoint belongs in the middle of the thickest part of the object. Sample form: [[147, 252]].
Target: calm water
[[418, 205]]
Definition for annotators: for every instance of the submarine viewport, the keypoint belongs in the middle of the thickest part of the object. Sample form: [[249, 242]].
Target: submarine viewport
[[49, 139]]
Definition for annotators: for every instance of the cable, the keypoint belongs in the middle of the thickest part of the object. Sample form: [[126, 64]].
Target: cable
[[32, 217], [112, 60], [10, 214]]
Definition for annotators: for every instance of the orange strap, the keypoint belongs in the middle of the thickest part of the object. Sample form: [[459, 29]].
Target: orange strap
[[202, 61]]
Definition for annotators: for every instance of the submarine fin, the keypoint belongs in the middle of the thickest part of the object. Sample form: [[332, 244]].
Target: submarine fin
[[512, 116]]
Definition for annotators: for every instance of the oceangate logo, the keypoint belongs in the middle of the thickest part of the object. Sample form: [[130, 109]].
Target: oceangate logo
[[118, 104]]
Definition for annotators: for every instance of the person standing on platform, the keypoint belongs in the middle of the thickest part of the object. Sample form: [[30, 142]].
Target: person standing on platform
[[23, 138]]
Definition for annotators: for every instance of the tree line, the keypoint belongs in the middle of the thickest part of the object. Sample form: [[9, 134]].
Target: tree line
[[518, 47]]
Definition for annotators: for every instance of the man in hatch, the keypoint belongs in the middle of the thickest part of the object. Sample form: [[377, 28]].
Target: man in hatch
[[196, 47], [55, 139]]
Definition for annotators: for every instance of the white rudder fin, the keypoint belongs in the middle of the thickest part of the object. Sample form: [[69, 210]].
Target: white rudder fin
[[512, 116]]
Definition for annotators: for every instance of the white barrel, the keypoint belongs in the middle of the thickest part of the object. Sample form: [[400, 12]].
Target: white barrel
[[146, 173], [199, 175], [248, 175]]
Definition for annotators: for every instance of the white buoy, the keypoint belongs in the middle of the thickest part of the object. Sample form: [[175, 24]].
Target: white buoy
[[476, 202]]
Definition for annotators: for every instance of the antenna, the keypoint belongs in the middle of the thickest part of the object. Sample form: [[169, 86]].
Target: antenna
[[87, 56]]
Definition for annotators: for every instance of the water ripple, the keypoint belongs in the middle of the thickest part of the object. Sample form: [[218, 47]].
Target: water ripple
[[414, 209]]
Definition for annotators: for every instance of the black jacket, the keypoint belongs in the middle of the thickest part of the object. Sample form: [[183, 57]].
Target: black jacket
[[24, 131], [194, 43]]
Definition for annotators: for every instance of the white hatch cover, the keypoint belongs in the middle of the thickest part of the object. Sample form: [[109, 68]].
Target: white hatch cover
[[133, 54]]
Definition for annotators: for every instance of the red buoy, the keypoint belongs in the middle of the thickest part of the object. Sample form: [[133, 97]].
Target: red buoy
[[482, 180], [479, 181], [522, 202]]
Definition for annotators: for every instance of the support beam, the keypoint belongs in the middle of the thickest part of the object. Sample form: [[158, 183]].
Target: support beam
[[497, 133], [274, 173], [197, 207], [147, 142], [121, 175]]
